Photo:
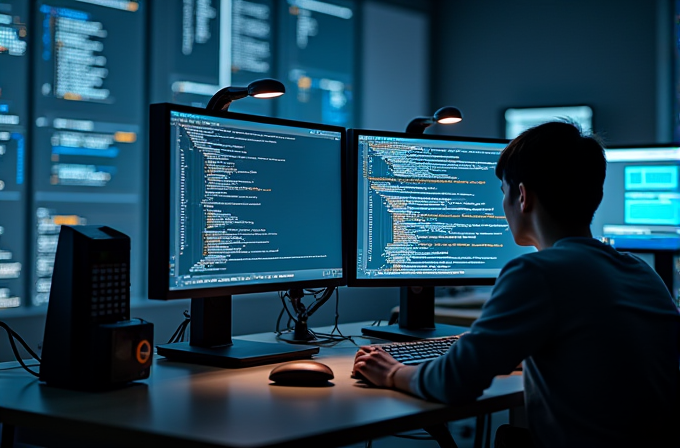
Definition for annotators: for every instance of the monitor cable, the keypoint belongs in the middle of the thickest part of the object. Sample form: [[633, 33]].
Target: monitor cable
[[297, 330], [180, 334], [14, 335], [332, 338]]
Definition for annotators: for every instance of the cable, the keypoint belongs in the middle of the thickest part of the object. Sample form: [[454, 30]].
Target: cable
[[14, 335], [278, 320], [303, 312], [340, 337], [283, 295], [179, 334], [16, 367]]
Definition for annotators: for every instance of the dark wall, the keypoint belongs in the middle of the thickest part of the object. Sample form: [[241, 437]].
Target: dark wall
[[492, 55]]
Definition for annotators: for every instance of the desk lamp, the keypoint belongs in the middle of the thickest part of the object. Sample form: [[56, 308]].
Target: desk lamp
[[445, 115], [260, 88]]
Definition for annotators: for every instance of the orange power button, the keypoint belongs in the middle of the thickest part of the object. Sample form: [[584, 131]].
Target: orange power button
[[143, 351]]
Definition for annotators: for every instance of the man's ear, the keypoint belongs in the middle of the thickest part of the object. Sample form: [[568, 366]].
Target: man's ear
[[526, 198]]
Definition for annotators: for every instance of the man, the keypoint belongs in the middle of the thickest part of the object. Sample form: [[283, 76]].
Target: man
[[596, 329]]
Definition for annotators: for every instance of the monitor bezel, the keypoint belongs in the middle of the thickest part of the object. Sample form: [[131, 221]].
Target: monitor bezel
[[159, 207], [351, 225], [643, 146]]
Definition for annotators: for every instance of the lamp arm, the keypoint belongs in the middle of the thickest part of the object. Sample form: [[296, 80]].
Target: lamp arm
[[221, 100], [418, 125]]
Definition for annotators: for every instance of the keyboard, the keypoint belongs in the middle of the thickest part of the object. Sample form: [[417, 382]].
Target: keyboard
[[417, 352]]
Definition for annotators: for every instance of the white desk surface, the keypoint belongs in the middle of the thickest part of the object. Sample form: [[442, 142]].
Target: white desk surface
[[185, 404]]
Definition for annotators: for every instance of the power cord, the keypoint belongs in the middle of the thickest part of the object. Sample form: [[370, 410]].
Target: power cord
[[302, 313], [180, 334], [14, 335], [331, 337]]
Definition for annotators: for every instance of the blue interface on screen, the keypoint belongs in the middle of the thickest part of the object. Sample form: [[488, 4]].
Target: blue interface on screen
[[253, 203], [518, 120], [641, 204], [430, 209]]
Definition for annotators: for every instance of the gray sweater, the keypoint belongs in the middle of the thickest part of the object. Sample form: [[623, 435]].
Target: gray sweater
[[598, 333]]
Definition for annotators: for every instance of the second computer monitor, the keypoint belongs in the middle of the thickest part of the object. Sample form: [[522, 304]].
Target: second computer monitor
[[640, 209], [427, 212]]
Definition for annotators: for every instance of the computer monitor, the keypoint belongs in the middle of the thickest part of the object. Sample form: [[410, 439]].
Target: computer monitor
[[240, 204], [640, 207], [426, 211], [519, 119]]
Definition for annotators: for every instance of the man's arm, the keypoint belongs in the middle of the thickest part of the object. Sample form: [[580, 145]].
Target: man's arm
[[516, 320]]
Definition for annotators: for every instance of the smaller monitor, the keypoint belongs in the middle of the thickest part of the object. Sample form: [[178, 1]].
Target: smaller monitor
[[640, 209], [517, 120], [425, 211]]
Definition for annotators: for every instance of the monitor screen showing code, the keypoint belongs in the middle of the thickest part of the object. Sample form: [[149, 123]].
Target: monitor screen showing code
[[430, 209], [253, 203]]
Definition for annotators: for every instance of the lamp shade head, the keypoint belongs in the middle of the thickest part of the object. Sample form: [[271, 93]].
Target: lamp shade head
[[445, 115], [266, 88], [448, 115], [260, 88], [267, 95]]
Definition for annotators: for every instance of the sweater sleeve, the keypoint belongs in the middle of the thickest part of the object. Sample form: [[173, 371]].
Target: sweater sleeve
[[516, 320]]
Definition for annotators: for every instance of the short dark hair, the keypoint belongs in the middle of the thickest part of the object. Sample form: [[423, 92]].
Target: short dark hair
[[563, 166]]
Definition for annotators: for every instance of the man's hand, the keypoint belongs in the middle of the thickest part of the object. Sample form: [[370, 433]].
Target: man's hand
[[377, 366]]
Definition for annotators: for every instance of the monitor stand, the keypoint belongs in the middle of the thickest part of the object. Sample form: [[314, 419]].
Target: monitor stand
[[416, 318], [210, 341]]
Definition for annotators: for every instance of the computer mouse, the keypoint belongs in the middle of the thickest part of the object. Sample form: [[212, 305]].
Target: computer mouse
[[301, 373]]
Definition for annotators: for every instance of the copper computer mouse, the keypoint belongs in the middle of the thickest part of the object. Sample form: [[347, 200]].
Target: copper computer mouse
[[301, 373]]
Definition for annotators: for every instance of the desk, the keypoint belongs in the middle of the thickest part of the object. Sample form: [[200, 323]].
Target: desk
[[463, 317], [461, 310], [184, 404]]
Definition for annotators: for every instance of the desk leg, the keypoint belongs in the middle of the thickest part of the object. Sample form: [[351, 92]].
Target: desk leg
[[7, 440], [518, 417], [442, 435], [479, 431]]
